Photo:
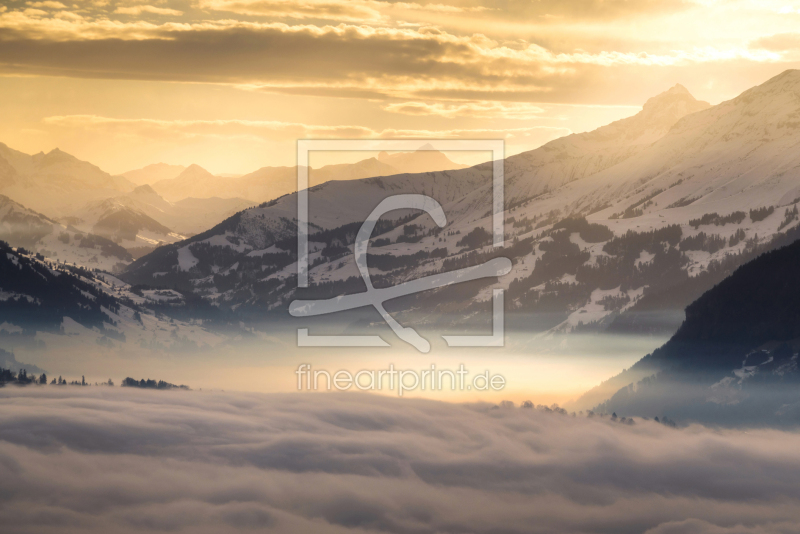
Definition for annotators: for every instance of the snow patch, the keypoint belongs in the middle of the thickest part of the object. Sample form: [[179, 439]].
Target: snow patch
[[186, 259]]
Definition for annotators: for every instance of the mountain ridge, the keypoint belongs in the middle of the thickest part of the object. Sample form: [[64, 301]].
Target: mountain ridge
[[585, 251], [734, 360]]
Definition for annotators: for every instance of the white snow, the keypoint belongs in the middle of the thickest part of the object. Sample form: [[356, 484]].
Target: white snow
[[186, 259]]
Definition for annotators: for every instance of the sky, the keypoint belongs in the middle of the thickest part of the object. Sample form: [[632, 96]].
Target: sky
[[232, 84]]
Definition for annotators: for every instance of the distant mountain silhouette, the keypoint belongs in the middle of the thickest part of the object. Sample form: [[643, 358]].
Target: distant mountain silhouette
[[153, 173], [55, 182], [268, 183]]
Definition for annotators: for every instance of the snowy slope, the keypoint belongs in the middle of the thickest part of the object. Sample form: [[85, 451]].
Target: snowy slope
[[22, 227], [663, 169], [62, 305], [142, 220], [577, 156]]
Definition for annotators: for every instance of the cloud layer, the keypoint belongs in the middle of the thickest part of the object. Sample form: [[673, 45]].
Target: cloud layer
[[365, 54], [111, 460], [276, 130]]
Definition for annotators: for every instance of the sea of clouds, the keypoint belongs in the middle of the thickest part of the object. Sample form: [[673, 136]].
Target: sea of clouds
[[108, 460]]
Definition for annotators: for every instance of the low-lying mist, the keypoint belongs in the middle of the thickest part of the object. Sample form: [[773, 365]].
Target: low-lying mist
[[112, 460], [539, 367]]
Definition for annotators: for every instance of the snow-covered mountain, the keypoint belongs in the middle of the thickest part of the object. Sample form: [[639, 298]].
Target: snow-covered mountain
[[123, 221], [54, 183], [578, 156], [48, 303], [32, 231], [605, 228], [142, 220]]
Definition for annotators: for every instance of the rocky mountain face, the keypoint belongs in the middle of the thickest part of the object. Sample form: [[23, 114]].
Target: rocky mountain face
[[617, 228]]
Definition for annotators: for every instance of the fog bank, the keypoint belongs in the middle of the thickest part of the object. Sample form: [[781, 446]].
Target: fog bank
[[105, 460]]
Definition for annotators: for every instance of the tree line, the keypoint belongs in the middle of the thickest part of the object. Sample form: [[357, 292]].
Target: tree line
[[22, 378]]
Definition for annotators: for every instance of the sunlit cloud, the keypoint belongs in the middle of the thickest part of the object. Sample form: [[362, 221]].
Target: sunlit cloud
[[343, 60], [48, 4], [485, 110], [377, 10], [283, 131], [778, 43], [440, 8], [34, 13], [340, 10], [138, 10]]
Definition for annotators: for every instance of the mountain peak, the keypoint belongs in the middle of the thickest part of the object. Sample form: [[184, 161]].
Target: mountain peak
[[676, 93], [144, 190], [194, 170], [664, 110], [678, 89], [58, 155]]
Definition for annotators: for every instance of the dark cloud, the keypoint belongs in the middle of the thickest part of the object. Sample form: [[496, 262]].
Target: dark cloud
[[346, 60], [349, 57], [111, 460]]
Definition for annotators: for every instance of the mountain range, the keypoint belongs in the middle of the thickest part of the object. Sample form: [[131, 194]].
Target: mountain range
[[56, 182], [158, 204], [615, 229], [268, 183]]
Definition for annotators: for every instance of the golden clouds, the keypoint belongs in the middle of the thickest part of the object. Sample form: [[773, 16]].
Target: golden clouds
[[339, 10], [281, 131], [417, 68], [138, 10], [483, 109], [342, 60], [48, 4]]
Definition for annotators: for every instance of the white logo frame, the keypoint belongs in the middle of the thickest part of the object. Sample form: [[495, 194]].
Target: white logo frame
[[373, 297]]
